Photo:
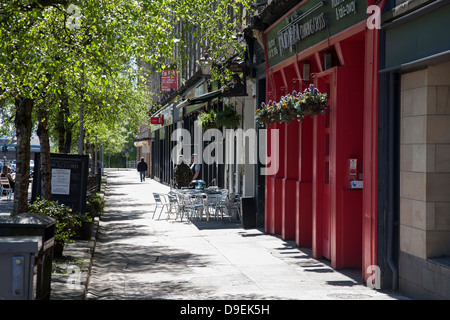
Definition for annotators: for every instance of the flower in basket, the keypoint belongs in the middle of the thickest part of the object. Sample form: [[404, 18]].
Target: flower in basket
[[286, 110], [313, 102], [290, 108], [267, 113], [293, 106]]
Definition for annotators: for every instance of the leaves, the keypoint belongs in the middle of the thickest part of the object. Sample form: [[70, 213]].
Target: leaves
[[95, 64]]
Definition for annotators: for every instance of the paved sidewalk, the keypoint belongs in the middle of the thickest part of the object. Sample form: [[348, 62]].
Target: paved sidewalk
[[137, 257]]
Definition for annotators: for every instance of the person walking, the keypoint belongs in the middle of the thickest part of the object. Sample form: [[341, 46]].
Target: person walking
[[142, 168]]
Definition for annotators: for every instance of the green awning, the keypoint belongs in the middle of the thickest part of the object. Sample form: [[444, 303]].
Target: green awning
[[191, 108], [205, 97]]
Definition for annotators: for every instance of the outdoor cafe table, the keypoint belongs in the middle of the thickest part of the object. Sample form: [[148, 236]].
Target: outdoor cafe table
[[212, 196]]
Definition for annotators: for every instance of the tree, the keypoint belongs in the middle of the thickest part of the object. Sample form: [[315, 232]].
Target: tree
[[49, 49]]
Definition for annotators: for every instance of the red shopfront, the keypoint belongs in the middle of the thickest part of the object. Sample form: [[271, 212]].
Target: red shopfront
[[310, 198]]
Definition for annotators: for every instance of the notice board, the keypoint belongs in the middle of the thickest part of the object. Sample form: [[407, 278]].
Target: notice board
[[69, 179]]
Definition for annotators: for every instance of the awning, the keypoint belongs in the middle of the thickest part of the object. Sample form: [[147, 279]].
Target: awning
[[142, 142], [182, 104], [205, 97]]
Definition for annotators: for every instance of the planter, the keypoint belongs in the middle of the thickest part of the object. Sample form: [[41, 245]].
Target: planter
[[313, 109], [228, 117], [293, 106], [207, 120], [58, 249], [265, 120], [84, 232]]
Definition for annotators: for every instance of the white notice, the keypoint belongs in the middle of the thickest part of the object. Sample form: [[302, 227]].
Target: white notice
[[61, 181]]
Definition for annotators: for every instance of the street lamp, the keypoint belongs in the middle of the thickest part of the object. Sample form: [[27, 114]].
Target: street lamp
[[205, 64]]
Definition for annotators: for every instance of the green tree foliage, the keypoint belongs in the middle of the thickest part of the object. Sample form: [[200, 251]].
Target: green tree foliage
[[59, 55]]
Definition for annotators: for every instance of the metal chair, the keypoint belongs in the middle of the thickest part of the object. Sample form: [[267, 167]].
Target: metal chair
[[6, 187], [222, 205], [161, 202], [192, 203], [234, 203], [172, 204], [227, 203]]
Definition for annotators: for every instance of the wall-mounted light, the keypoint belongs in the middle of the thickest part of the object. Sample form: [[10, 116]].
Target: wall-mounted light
[[306, 71], [327, 60]]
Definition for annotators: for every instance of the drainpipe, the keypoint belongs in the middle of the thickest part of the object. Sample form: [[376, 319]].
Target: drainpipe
[[392, 194]]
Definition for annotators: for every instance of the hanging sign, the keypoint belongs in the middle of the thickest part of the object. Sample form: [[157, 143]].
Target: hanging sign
[[169, 80], [157, 120]]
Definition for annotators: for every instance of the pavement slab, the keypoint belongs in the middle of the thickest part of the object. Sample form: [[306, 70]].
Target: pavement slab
[[141, 258]]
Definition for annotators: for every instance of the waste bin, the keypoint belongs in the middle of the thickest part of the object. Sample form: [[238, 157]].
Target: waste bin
[[18, 256], [35, 224], [248, 212]]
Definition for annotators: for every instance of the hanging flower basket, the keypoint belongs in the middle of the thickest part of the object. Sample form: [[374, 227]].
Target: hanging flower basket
[[268, 114], [313, 102], [228, 117], [208, 120], [293, 106]]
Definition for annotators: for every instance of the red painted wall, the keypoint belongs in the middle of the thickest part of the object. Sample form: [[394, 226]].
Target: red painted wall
[[351, 224]]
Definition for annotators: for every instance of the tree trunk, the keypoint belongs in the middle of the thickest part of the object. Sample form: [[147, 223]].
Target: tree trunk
[[63, 127], [24, 107], [46, 175], [60, 129], [68, 143]]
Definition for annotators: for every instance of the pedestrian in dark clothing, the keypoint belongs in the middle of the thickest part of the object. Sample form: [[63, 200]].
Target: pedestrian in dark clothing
[[142, 168], [182, 174]]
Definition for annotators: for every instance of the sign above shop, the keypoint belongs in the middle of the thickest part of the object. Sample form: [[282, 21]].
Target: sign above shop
[[157, 120], [309, 24]]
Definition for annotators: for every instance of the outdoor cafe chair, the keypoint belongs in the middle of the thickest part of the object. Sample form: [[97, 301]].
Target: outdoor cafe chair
[[172, 205], [234, 203], [227, 203], [6, 187], [161, 202], [222, 205], [192, 204]]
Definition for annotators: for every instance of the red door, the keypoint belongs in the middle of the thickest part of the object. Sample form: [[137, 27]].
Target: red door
[[324, 157], [326, 185]]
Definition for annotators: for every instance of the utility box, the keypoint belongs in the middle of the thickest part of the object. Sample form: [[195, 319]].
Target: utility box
[[248, 212], [30, 225], [18, 276]]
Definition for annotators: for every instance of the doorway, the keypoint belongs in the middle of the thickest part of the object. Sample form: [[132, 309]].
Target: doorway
[[338, 140], [325, 83]]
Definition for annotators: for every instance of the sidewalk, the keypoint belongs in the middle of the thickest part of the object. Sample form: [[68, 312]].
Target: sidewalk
[[138, 258]]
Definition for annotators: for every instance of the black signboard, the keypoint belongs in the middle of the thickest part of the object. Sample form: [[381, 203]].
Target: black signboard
[[69, 179], [238, 85]]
